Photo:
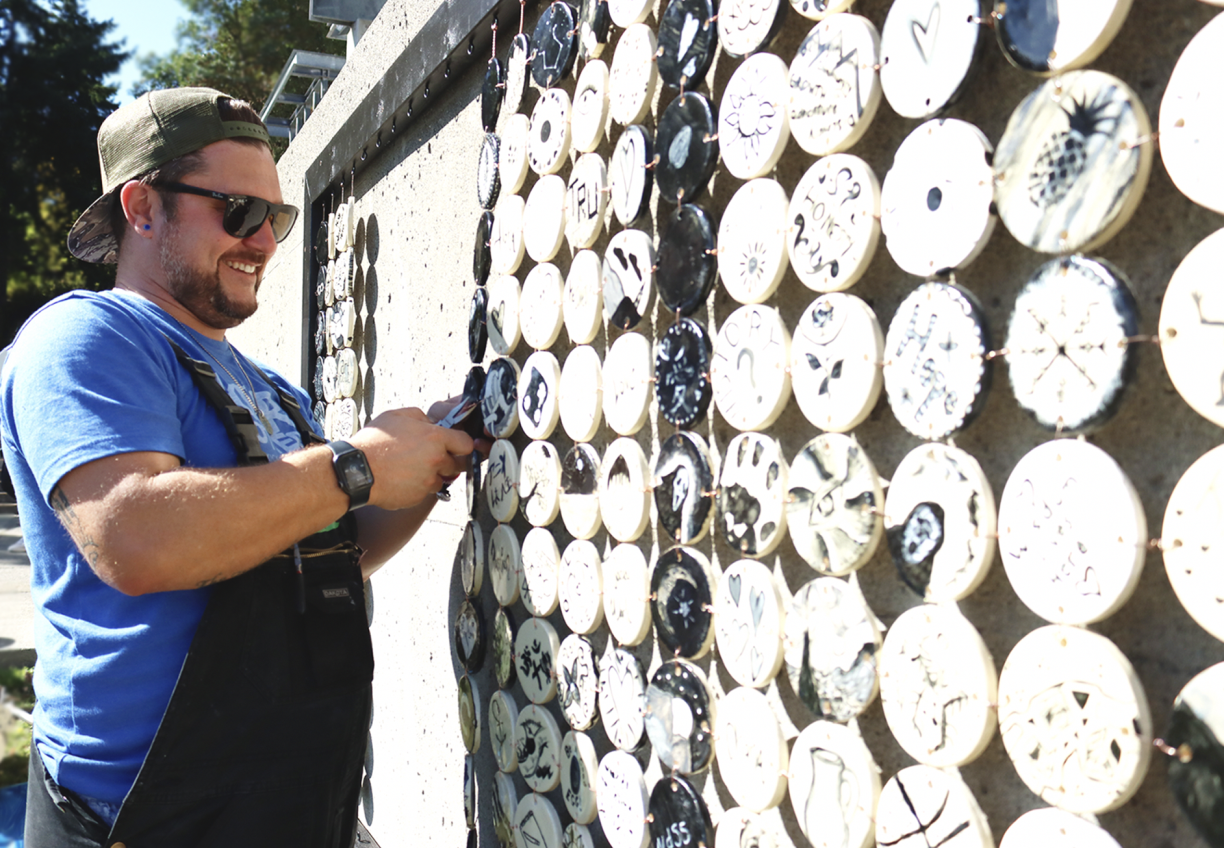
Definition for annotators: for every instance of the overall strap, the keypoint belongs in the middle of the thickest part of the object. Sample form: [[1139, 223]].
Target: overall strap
[[293, 409], [237, 419]]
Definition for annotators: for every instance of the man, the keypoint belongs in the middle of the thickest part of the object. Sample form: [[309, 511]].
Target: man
[[204, 662]]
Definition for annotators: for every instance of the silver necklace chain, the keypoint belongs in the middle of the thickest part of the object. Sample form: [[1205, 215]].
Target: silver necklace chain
[[251, 397]]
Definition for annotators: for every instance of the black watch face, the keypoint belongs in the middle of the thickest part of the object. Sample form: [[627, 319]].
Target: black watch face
[[687, 266], [482, 259], [686, 147], [478, 334], [556, 44], [682, 373], [687, 38], [491, 94], [356, 473]]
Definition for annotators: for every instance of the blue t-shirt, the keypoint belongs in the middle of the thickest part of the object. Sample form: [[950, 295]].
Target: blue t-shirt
[[91, 375]]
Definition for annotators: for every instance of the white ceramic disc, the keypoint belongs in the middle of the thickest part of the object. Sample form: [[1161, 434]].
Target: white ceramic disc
[[502, 317], [620, 794], [580, 491], [540, 483], [535, 651], [834, 786], [1068, 358], [739, 826], [340, 229], [750, 370], [833, 511], [512, 161], [1069, 169], [469, 713], [836, 351], [1192, 536], [499, 398], [835, 88], [579, 765], [935, 366], [630, 180], [632, 80], [748, 617], [472, 559], [834, 214], [589, 114], [752, 117], [818, 9], [624, 493], [1192, 329], [1074, 719], [622, 698], [329, 379], [577, 681], [586, 200], [752, 493], [580, 587], [1190, 129], [938, 685], [1054, 828], [344, 323], [346, 372], [1058, 35], [923, 806], [544, 218], [578, 836], [683, 485], [752, 237], [506, 243], [502, 479], [541, 571], [540, 306], [752, 755], [927, 49], [503, 720], [549, 141], [626, 590], [937, 203], [536, 821], [831, 643], [940, 521], [628, 278], [1072, 533], [505, 564], [581, 393], [505, 806], [344, 273], [626, 13], [582, 299], [628, 374], [347, 419], [746, 26]]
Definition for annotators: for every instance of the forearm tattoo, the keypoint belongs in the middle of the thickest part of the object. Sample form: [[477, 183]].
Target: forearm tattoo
[[72, 523]]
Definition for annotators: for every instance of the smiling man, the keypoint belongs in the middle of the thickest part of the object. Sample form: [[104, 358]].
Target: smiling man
[[204, 661]]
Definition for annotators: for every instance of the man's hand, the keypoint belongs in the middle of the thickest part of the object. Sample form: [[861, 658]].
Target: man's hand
[[410, 456]]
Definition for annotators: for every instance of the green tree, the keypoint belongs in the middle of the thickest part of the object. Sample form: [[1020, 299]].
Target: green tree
[[236, 46], [53, 62]]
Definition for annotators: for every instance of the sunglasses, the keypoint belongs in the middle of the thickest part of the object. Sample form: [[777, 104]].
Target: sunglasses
[[244, 215]]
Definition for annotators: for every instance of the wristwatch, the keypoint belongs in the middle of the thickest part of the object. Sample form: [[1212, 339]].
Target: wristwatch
[[352, 473]]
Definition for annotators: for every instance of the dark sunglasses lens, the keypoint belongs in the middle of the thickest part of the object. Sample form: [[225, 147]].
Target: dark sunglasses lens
[[244, 216], [283, 219]]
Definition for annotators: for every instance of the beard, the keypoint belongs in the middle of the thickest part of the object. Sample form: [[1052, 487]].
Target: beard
[[199, 290]]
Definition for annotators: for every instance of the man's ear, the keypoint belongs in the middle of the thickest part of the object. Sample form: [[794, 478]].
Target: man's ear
[[141, 206]]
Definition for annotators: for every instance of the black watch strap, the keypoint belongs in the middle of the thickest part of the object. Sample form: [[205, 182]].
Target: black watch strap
[[352, 473]]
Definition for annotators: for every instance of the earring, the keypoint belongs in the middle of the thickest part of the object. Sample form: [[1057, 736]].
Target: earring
[[147, 227]]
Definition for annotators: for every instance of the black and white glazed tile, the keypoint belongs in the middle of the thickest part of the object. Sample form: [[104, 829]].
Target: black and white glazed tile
[[1052, 36], [687, 38], [682, 586], [589, 113], [748, 615], [580, 469], [505, 564], [750, 369], [927, 49], [622, 699], [503, 721], [506, 245], [472, 559], [624, 493], [683, 485], [469, 791], [470, 636], [539, 484], [492, 90], [1189, 124], [746, 26], [831, 644], [549, 141], [833, 512], [502, 317], [478, 334], [501, 644], [752, 116], [752, 753], [512, 159], [541, 571], [752, 494], [537, 394], [835, 88], [682, 373], [586, 200], [488, 176], [504, 807], [499, 400], [1197, 723], [752, 238], [686, 259], [834, 784], [835, 354], [593, 22], [535, 651], [628, 278], [482, 261], [580, 587], [517, 67], [687, 147], [620, 794], [923, 806], [577, 682], [678, 814], [633, 77], [680, 716], [626, 594], [556, 44], [501, 483], [536, 823], [537, 742], [629, 179], [1191, 329], [469, 713], [579, 765]]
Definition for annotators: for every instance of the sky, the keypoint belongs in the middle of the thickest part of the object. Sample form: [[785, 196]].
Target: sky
[[145, 27]]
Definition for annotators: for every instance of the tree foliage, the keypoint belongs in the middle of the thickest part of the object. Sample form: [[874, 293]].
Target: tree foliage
[[53, 62]]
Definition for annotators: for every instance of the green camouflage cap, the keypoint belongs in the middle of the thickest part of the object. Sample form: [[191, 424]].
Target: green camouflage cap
[[140, 136]]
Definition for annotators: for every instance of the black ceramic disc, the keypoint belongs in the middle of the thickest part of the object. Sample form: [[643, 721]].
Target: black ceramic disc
[[686, 147], [1027, 31], [593, 22], [683, 481], [473, 384], [488, 175], [682, 600], [482, 259], [321, 243], [470, 636], [686, 266], [520, 55], [320, 337], [556, 44], [678, 815], [682, 733], [502, 641], [473, 391], [499, 404], [473, 482], [478, 334], [491, 93], [687, 38], [579, 471], [682, 373]]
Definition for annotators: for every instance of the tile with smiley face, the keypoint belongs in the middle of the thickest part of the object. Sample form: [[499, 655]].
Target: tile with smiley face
[[682, 586], [579, 766], [753, 126], [589, 113], [752, 754], [630, 181], [686, 259], [682, 373], [622, 699], [624, 496], [626, 582], [501, 483], [577, 683], [831, 644], [746, 26], [937, 203], [580, 587], [836, 351], [683, 484], [537, 393], [535, 650], [833, 512], [556, 44], [834, 786], [628, 278], [470, 636], [1051, 37], [505, 564], [687, 147], [752, 493], [1189, 126], [835, 87], [752, 237], [580, 473], [748, 616], [687, 38], [1069, 702], [488, 176], [634, 76], [503, 720], [921, 805], [540, 483], [499, 398], [680, 716], [541, 570], [927, 51], [620, 795]]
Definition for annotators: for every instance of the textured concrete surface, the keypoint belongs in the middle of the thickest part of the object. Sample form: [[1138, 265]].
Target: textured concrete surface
[[16, 608], [418, 211]]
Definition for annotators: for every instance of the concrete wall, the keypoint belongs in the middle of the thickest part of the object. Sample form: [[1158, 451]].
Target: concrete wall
[[418, 211]]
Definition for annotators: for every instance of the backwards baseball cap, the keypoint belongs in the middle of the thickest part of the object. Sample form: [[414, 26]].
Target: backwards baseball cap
[[142, 135]]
